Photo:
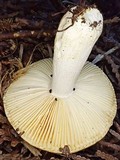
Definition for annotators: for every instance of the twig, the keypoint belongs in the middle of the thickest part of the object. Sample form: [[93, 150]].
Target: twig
[[57, 4], [115, 68], [28, 22], [113, 146], [21, 51], [105, 156], [99, 57], [113, 20], [117, 126], [10, 15], [115, 134], [24, 34], [33, 150]]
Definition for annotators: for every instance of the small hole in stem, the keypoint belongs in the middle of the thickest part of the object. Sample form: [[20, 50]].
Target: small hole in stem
[[50, 90], [51, 75], [73, 89], [55, 99]]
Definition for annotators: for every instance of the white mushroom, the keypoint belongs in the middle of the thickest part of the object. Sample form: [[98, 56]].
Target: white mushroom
[[76, 105]]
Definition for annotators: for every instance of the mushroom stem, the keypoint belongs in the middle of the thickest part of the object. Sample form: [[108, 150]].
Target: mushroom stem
[[72, 48]]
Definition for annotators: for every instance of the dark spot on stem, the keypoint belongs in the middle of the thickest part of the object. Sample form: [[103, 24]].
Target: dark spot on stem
[[83, 20], [55, 99], [73, 89], [50, 90]]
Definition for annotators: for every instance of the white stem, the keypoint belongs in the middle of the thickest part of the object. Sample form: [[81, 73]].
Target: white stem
[[72, 48]]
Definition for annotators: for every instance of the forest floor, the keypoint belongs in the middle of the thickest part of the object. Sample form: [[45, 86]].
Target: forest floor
[[27, 32]]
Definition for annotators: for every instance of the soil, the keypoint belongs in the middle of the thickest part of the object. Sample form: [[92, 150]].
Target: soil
[[27, 32]]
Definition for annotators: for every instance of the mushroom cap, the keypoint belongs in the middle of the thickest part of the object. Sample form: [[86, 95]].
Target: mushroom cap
[[78, 121]]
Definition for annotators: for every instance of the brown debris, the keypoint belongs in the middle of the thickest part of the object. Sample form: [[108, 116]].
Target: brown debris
[[105, 156], [110, 145], [65, 151], [3, 119], [115, 68]]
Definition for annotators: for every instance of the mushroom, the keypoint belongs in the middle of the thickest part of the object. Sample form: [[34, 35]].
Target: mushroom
[[64, 101]]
